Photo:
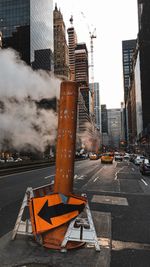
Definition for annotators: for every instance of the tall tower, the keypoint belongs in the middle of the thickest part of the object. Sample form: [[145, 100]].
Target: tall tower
[[104, 118], [97, 106], [61, 57], [128, 48], [81, 71], [27, 26], [114, 127], [0, 39], [72, 41]]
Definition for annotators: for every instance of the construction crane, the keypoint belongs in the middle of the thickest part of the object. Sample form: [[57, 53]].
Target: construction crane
[[92, 36]]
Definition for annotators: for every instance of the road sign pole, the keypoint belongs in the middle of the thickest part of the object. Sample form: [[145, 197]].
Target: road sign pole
[[66, 138]]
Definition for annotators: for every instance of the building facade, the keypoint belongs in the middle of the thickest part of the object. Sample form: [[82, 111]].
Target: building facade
[[97, 106], [104, 119], [144, 58], [128, 50], [142, 79], [104, 127], [114, 127], [27, 27], [81, 71], [138, 99], [72, 42], [61, 53], [0, 39]]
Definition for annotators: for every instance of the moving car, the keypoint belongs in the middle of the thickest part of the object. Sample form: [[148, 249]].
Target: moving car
[[107, 158], [118, 157], [93, 156], [126, 157], [139, 159], [145, 167]]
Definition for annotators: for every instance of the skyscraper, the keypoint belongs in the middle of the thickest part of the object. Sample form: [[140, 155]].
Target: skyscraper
[[144, 59], [61, 53], [104, 118], [114, 127], [104, 126], [128, 48], [0, 39], [27, 26], [72, 42], [81, 71], [97, 106]]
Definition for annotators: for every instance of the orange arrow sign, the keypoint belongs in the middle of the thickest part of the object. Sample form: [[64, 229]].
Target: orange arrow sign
[[50, 212]]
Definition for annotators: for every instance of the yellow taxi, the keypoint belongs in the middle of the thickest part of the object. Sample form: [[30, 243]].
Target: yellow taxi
[[107, 158]]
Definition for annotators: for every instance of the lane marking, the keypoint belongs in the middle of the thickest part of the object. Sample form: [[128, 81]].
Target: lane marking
[[118, 172], [19, 173], [144, 182], [133, 169], [120, 245], [92, 179], [46, 177], [80, 177], [95, 179], [119, 186]]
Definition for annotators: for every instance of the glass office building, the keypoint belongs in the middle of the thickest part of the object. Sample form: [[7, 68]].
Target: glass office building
[[27, 26]]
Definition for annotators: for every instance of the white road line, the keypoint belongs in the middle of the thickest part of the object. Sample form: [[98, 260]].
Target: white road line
[[144, 182], [133, 169], [118, 185], [95, 179], [116, 175], [19, 173], [81, 177], [46, 177], [118, 172]]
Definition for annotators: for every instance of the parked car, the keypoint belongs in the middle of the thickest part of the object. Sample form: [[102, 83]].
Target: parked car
[[18, 159], [139, 159], [10, 159], [107, 158], [2, 161], [145, 167]]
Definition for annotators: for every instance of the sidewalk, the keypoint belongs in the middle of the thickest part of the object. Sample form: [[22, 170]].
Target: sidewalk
[[24, 251]]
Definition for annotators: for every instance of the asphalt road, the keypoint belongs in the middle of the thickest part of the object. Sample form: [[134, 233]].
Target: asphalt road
[[118, 188]]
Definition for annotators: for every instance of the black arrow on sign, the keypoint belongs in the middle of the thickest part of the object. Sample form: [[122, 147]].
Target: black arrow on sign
[[48, 212]]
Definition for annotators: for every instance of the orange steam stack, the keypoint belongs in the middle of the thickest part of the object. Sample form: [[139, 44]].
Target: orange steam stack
[[66, 138]]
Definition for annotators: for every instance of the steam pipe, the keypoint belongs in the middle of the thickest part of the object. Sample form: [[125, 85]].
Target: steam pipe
[[66, 138]]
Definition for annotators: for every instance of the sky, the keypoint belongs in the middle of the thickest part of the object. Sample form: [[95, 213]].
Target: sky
[[114, 21]]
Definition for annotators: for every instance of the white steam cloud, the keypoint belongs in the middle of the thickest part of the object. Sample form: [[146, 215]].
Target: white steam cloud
[[22, 123], [90, 138]]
